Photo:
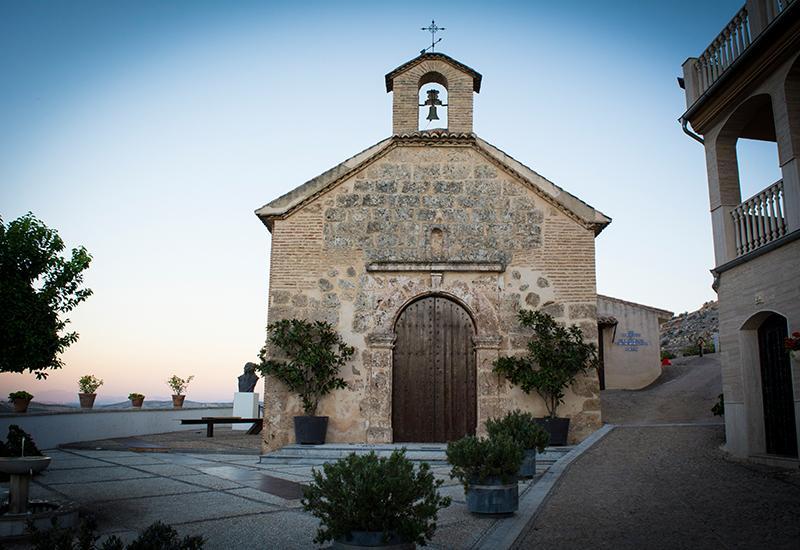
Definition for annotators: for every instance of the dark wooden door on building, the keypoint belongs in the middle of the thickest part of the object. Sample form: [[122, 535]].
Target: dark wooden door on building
[[776, 388], [434, 396]]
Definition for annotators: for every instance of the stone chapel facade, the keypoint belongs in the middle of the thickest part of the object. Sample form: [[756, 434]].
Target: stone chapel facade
[[420, 251]]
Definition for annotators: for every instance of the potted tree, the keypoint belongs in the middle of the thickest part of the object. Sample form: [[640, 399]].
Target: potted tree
[[178, 386], [315, 353], [556, 355], [367, 501], [487, 467], [137, 399], [87, 386], [21, 399], [522, 428]]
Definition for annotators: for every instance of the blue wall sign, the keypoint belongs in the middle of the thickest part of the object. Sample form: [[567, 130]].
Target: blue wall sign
[[631, 341]]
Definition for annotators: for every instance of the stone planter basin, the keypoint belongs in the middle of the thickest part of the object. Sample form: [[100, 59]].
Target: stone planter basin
[[22, 465]]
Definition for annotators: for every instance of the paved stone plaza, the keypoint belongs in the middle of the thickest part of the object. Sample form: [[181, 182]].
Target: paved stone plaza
[[230, 499]]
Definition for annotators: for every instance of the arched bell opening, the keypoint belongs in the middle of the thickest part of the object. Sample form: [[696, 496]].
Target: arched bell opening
[[433, 102]]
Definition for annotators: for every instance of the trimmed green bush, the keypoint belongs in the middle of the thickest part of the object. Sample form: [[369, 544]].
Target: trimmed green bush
[[556, 356], [522, 428], [368, 493], [479, 458], [316, 353]]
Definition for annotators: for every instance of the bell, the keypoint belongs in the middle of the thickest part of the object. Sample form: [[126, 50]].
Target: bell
[[432, 113]]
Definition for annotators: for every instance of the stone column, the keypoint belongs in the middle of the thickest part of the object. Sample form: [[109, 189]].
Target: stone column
[[786, 113], [491, 387], [377, 406], [724, 193]]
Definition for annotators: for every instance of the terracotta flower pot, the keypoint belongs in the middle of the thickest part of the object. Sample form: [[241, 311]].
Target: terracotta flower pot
[[177, 401], [87, 400], [137, 403], [21, 404]]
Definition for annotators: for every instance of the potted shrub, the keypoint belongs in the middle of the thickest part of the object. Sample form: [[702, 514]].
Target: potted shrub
[[315, 353], [137, 399], [522, 428], [178, 386], [87, 386], [366, 501], [21, 399], [487, 467], [556, 356]]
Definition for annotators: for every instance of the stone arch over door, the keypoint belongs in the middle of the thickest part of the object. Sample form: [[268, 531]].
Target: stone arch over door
[[769, 388], [434, 379]]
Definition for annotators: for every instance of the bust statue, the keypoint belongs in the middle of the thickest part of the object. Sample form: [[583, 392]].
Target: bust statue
[[248, 380]]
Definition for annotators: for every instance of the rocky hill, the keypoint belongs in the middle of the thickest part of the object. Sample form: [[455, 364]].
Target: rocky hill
[[682, 331]]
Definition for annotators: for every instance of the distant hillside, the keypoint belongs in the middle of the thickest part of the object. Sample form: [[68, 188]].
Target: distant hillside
[[683, 330], [48, 407]]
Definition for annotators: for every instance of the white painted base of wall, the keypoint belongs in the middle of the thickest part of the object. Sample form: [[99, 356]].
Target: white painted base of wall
[[51, 429], [245, 405]]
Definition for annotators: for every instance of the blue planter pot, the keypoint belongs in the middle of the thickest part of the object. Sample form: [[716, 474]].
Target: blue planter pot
[[528, 467], [492, 496], [371, 539]]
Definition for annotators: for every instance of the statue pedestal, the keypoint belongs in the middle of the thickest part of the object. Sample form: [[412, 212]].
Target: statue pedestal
[[245, 405]]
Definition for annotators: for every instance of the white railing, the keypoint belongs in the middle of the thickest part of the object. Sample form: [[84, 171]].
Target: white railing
[[759, 220], [735, 38], [724, 50]]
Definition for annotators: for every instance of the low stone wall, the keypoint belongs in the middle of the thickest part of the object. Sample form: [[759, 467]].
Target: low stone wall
[[51, 429]]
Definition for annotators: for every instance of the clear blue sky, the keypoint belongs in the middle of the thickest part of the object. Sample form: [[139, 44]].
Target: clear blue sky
[[150, 131]]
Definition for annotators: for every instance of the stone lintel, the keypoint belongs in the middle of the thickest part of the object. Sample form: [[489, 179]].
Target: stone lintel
[[490, 267], [381, 340], [490, 341]]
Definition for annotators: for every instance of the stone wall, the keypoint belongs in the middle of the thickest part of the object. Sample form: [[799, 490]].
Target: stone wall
[[352, 257], [744, 303]]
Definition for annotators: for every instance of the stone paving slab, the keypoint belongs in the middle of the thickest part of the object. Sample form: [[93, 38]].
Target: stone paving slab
[[285, 530], [209, 481], [139, 513], [89, 475], [125, 489]]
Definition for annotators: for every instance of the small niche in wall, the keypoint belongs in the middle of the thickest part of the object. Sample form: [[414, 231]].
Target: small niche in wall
[[437, 243]]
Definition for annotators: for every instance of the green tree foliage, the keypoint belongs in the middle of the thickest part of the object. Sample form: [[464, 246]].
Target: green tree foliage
[[367, 493], [38, 284], [521, 427], [475, 459], [316, 353], [556, 355]]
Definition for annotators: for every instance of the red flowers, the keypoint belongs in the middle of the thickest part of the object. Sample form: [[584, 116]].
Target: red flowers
[[792, 343]]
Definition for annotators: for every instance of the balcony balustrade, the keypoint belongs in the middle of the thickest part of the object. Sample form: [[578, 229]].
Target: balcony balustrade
[[759, 220], [730, 44]]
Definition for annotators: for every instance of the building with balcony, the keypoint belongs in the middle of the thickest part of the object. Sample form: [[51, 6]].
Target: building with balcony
[[746, 84]]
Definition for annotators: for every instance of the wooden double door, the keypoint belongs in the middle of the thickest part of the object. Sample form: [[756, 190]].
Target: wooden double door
[[776, 388], [434, 395]]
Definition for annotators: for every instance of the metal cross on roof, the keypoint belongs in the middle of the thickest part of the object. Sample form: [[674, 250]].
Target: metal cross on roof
[[433, 29]]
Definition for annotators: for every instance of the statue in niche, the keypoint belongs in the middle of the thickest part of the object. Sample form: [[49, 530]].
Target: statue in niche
[[249, 379]]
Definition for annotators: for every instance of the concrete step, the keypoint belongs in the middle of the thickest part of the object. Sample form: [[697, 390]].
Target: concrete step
[[433, 453]]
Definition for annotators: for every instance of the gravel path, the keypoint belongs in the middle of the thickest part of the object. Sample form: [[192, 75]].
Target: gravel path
[[685, 392], [668, 487]]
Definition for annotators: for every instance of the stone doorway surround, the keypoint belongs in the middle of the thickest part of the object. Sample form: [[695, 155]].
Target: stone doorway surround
[[380, 343]]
